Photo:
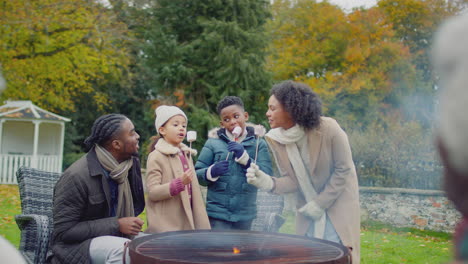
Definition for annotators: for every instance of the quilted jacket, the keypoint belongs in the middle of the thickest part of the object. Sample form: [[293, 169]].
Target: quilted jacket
[[82, 208], [231, 198]]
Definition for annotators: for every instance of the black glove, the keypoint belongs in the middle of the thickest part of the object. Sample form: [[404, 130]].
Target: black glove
[[237, 148], [220, 168]]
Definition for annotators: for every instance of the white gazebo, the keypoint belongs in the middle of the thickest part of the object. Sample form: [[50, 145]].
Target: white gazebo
[[29, 136]]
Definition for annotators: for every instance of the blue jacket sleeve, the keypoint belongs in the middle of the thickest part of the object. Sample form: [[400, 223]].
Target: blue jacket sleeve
[[204, 161]]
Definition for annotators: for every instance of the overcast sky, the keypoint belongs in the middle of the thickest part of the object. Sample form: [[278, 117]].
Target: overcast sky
[[348, 5]]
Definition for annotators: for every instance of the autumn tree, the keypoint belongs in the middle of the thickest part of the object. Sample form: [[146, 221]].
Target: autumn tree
[[54, 52], [351, 60], [197, 52], [415, 21], [308, 39], [71, 57]]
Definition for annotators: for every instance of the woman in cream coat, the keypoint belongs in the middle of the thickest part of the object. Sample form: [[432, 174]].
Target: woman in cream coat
[[313, 157]]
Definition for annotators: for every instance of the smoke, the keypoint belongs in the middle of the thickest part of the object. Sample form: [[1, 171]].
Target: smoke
[[419, 107]]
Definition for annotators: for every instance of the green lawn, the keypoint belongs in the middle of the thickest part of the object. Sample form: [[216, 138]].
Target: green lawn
[[10, 205], [383, 244], [380, 243]]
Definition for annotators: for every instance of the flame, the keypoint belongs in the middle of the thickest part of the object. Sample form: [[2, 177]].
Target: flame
[[235, 250]]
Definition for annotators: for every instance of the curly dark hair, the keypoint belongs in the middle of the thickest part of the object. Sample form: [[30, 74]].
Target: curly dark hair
[[104, 129], [298, 99], [228, 101]]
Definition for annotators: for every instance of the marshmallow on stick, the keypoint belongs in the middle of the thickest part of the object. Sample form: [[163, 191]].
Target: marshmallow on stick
[[259, 132], [191, 136], [236, 133]]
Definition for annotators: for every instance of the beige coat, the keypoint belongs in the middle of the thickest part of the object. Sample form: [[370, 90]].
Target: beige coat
[[333, 177], [166, 212]]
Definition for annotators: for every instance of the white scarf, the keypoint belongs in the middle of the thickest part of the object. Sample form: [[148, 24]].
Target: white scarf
[[286, 136], [289, 138]]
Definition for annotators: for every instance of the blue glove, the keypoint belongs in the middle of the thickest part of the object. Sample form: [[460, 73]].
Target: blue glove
[[220, 168], [237, 148]]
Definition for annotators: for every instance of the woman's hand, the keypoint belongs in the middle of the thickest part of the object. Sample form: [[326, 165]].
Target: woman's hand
[[312, 210], [187, 176], [258, 178]]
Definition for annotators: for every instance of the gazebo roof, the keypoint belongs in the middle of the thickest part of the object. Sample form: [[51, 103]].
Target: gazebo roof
[[27, 110]]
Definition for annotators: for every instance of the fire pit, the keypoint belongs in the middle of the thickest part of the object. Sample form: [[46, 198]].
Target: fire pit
[[210, 246]]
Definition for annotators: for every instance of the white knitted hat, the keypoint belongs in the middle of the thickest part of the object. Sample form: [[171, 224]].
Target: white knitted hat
[[164, 113]]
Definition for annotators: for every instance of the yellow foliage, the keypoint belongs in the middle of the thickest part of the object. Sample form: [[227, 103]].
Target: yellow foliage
[[333, 52], [56, 50]]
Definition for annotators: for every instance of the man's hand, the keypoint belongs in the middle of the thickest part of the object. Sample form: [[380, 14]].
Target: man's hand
[[187, 177], [130, 225]]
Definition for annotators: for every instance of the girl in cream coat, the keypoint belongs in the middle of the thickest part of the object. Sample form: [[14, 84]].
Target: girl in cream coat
[[314, 160], [174, 200]]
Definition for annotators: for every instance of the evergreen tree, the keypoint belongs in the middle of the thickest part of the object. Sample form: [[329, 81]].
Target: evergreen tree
[[197, 52]]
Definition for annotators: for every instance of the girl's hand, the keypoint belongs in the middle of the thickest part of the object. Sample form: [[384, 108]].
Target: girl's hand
[[187, 176]]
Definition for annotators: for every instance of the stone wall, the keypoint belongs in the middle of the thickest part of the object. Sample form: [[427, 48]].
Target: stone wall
[[423, 209]]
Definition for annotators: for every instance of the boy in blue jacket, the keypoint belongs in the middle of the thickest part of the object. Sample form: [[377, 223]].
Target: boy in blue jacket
[[222, 165]]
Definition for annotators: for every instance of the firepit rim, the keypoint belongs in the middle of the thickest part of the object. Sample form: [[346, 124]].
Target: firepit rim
[[136, 243]]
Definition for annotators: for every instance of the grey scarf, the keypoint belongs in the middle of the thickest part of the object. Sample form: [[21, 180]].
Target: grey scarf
[[119, 173]]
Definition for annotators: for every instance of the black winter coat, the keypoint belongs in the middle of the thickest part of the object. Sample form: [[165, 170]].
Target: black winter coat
[[82, 208]]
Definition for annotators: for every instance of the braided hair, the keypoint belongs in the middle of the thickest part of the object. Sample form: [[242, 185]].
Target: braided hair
[[104, 129], [298, 99]]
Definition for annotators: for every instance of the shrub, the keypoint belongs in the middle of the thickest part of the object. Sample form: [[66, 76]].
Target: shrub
[[396, 154]]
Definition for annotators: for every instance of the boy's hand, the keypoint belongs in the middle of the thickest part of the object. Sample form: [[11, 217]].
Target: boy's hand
[[220, 168], [237, 148], [187, 177]]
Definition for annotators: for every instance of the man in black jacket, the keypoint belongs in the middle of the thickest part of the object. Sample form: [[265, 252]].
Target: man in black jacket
[[98, 197]]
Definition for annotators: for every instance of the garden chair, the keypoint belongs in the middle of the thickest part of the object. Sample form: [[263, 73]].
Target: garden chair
[[36, 190], [269, 209]]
